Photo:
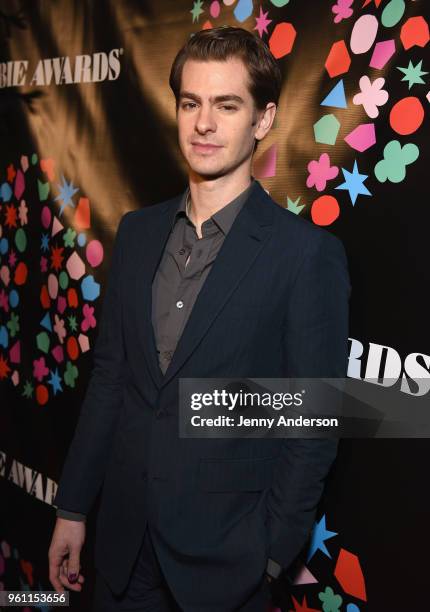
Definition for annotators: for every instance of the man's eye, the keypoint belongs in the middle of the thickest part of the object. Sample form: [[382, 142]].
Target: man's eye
[[227, 107], [187, 104]]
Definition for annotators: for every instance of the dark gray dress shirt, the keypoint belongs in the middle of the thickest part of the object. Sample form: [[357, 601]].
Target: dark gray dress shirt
[[183, 269]]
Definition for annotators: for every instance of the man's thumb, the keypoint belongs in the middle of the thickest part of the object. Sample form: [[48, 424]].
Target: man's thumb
[[73, 565]]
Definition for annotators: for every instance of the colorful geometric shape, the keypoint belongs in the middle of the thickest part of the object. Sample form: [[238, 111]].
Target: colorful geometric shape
[[57, 227], [407, 115], [363, 34], [392, 13], [382, 53], [243, 10], [415, 32], [282, 39], [75, 266], [90, 288], [325, 210], [46, 322], [326, 129], [15, 352], [336, 97], [42, 342], [82, 214], [354, 183], [362, 137], [94, 253], [338, 60], [265, 165], [349, 574]]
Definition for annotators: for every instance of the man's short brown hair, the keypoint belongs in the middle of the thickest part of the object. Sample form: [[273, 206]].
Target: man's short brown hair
[[225, 42]]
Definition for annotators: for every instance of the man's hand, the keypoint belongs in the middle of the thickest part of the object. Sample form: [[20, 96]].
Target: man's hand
[[64, 554]]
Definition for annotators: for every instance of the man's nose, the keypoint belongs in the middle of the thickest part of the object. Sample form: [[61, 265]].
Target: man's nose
[[205, 120]]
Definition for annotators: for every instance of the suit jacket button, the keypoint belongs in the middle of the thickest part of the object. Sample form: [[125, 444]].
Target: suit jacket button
[[159, 415]]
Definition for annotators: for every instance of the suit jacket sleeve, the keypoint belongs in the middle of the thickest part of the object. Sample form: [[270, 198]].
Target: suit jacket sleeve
[[315, 344], [86, 461]]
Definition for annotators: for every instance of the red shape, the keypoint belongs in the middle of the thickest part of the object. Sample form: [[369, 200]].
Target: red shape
[[302, 607], [72, 298], [377, 3], [45, 300], [57, 257], [407, 115], [72, 348], [47, 166], [11, 173], [10, 216], [42, 394], [282, 39], [207, 25], [27, 568], [4, 368], [82, 214], [338, 60], [325, 210], [21, 273], [349, 574], [415, 31]]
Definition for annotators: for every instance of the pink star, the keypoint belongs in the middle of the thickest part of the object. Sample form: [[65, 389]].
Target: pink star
[[89, 319], [262, 22], [43, 264], [12, 258], [40, 370], [4, 301], [320, 172], [23, 210]]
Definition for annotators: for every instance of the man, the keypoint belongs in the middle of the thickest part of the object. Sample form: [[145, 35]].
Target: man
[[218, 282]]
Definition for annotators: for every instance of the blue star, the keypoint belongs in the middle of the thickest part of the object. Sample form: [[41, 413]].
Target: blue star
[[319, 535], [55, 381], [45, 242], [67, 191], [354, 183]]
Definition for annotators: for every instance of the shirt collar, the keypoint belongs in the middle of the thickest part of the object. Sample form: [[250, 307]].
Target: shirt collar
[[224, 217]]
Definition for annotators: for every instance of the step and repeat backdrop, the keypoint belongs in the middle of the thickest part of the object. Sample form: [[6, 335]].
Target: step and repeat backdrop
[[88, 132]]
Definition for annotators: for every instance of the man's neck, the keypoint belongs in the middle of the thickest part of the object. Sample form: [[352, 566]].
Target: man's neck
[[208, 197]]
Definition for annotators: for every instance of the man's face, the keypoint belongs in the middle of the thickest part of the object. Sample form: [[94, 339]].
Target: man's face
[[215, 116]]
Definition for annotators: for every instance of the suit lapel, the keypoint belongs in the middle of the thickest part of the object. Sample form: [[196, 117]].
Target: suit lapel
[[247, 236], [241, 246], [154, 240]]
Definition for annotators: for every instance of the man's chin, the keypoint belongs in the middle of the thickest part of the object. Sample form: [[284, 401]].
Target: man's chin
[[206, 172]]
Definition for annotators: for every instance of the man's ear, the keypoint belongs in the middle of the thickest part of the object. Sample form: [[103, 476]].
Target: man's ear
[[264, 120]]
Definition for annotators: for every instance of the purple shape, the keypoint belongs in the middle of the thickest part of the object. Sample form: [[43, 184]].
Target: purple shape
[[58, 353], [19, 184], [362, 138], [15, 353], [382, 52], [61, 304]]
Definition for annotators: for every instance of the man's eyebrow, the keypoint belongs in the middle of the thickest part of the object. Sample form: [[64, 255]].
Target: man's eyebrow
[[223, 98]]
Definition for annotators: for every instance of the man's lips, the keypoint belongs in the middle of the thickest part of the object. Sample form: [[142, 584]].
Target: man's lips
[[199, 146]]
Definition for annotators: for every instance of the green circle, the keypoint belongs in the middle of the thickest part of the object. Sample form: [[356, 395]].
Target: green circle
[[20, 240], [63, 279], [34, 158], [279, 3]]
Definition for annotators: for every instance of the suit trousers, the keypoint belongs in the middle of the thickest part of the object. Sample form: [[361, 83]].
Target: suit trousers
[[148, 591]]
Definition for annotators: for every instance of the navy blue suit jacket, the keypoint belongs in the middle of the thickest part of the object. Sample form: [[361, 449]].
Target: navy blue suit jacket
[[275, 304]]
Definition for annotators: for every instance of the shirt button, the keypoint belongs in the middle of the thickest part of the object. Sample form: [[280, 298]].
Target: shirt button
[[179, 304]]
